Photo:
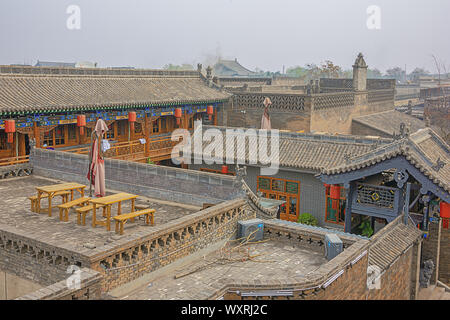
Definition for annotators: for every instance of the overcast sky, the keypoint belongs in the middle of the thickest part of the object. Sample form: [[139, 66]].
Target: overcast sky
[[260, 33]]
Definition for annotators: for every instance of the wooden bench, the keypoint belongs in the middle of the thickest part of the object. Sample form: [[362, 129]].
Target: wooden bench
[[81, 219], [122, 219], [64, 208], [64, 196]]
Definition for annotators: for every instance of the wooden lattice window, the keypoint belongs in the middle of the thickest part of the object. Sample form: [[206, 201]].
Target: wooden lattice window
[[285, 190], [48, 138], [59, 136], [110, 134], [155, 126], [163, 122], [4, 141], [278, 185], [137, 127], [72, 132], [122, 128], [263, 183]]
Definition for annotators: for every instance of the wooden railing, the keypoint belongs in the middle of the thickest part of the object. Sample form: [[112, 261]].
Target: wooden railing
[[160, 148], [14, 160]]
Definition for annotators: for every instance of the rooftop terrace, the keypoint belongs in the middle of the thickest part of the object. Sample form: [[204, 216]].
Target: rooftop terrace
[[15, 212], [203, 277]]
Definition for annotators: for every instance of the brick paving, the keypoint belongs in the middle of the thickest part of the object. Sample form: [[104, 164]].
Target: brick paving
[[15, 211], [277, 261]]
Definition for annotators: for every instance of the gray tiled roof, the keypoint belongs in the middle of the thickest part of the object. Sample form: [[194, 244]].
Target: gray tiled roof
[[231, 68], [392, 242], [388, 121], [38, 92], [306, 151], [422, 149]]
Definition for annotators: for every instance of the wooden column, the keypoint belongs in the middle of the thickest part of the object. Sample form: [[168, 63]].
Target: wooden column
[[348, 208], [37, 135], [186, 121], [215, 116], [148, 127]]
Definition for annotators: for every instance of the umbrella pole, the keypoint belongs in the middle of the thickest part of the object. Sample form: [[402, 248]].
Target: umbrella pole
[[90, 166]]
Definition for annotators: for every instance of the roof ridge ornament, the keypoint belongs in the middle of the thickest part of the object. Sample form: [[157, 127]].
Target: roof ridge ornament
[[439, 165], [404, 132]]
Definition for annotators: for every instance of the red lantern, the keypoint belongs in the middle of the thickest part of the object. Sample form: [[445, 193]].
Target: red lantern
[[178, 113], [224, 169], [210, 111], [132, 119], [335, 195], [445, 213], [81, 123], [10, 128], [335, 192]]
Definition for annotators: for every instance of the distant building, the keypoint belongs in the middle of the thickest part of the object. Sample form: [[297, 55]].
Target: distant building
[[231, 68], [55, 64], [86, 64]]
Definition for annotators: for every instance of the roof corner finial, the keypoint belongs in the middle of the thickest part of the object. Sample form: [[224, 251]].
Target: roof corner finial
[[360, 62]]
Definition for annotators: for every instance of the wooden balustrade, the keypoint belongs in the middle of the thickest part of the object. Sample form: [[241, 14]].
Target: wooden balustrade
[[160, 148], [14, 160]]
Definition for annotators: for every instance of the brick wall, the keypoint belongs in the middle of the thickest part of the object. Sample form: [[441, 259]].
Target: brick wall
[[444, 257], [360, 129], [160, 182], [342, 278], [35, 259], [88, 289], [396, 282], [130, 260], [429, 247]]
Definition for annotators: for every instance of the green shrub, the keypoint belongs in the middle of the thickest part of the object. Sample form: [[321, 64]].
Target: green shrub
[[366, 228], [307, 218]]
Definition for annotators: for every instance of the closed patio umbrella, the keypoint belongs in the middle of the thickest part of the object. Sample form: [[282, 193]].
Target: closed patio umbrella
[[265, 121], [96, 174]]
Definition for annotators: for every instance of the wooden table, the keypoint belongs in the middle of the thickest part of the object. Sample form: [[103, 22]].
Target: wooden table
[[107, 202], [52, 189]]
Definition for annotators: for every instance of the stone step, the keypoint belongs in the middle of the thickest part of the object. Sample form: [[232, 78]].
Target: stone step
[[433, 293]]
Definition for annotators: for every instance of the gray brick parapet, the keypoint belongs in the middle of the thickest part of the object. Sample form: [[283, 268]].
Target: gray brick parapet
[[160, 182]]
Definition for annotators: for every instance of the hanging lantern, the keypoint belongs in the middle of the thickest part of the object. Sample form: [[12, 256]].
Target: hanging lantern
[[132, 119], [335, 191], [335, 195], [224, 169], [210, 111], [178, 113], [81, 123], [445, 213], [10, 128]]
